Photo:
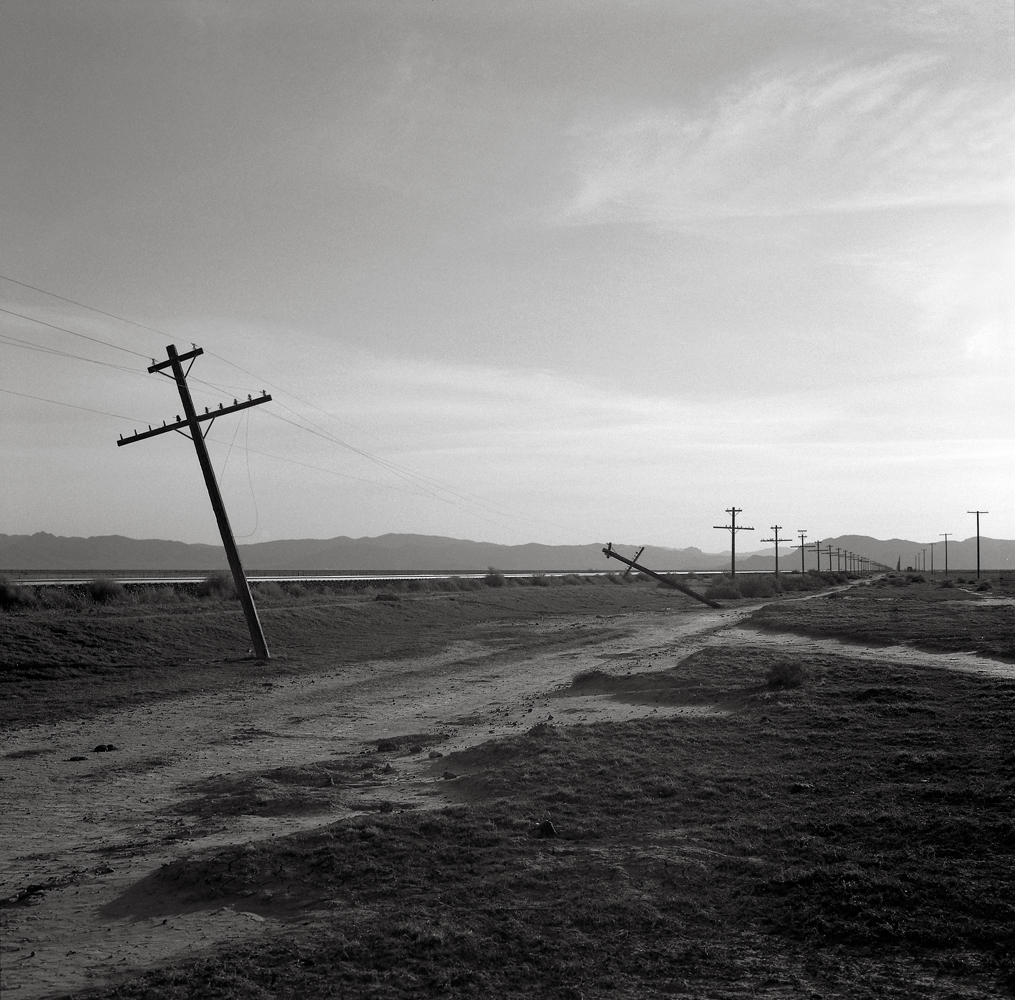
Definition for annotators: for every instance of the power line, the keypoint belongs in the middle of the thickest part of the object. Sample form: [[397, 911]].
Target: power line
[[83, 305], [418, 480], [29, 345], [74, 406], [400, 470], [73, 333]]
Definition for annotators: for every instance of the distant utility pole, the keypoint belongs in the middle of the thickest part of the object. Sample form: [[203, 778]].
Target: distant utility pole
[[932, 557], [817, 552], [838, 559], [775, 529], [802, 535], [977, 513], [829, 550], [733, 528], [193, 422], [946, 534]]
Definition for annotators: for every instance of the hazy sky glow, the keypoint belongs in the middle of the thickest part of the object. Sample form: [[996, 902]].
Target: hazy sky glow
[[563, 272]]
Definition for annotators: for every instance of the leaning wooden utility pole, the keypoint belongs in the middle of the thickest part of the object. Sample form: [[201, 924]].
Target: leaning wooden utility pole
[[775, 538], [631, 564], [732, 528], [193, 422]]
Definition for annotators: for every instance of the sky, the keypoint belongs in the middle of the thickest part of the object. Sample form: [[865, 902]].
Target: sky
[[594, 270]]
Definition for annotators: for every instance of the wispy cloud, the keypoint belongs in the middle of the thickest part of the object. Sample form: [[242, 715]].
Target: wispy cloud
[[829, 137]]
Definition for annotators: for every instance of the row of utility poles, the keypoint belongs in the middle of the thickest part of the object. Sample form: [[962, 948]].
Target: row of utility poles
[[921, 556], [845, 561]]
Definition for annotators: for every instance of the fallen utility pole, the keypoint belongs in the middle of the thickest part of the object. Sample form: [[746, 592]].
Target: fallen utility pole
[[611, 554], [193, 422], [637, 555], [775, 538], [732, 528]]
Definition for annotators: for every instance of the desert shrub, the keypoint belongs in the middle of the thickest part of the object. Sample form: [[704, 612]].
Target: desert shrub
[[540, 580], [102, 589], [723, 590], [13, 596], [916, 578], [415, 586], [493, 578], [786, 674], [616, 578], [449, 585], [217, 584], [269, 590], [948, 584], [469, 583], [572, 580], [985, 585], [756, 586]]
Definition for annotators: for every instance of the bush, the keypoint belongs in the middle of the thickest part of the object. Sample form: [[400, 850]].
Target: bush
[[786, 674], [269, 590], [102, 589], [493, 578], [723, 590], [217, 584], [540, 580], [13, 596], [756, 586]]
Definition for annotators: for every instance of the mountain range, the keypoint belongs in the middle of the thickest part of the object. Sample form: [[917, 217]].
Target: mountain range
[[422, 553]]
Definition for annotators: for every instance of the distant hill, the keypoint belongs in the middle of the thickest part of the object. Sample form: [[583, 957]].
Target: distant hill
[[387, 553], [421, 553]]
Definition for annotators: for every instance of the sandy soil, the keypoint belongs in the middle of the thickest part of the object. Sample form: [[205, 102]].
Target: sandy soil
[[79, 827]]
